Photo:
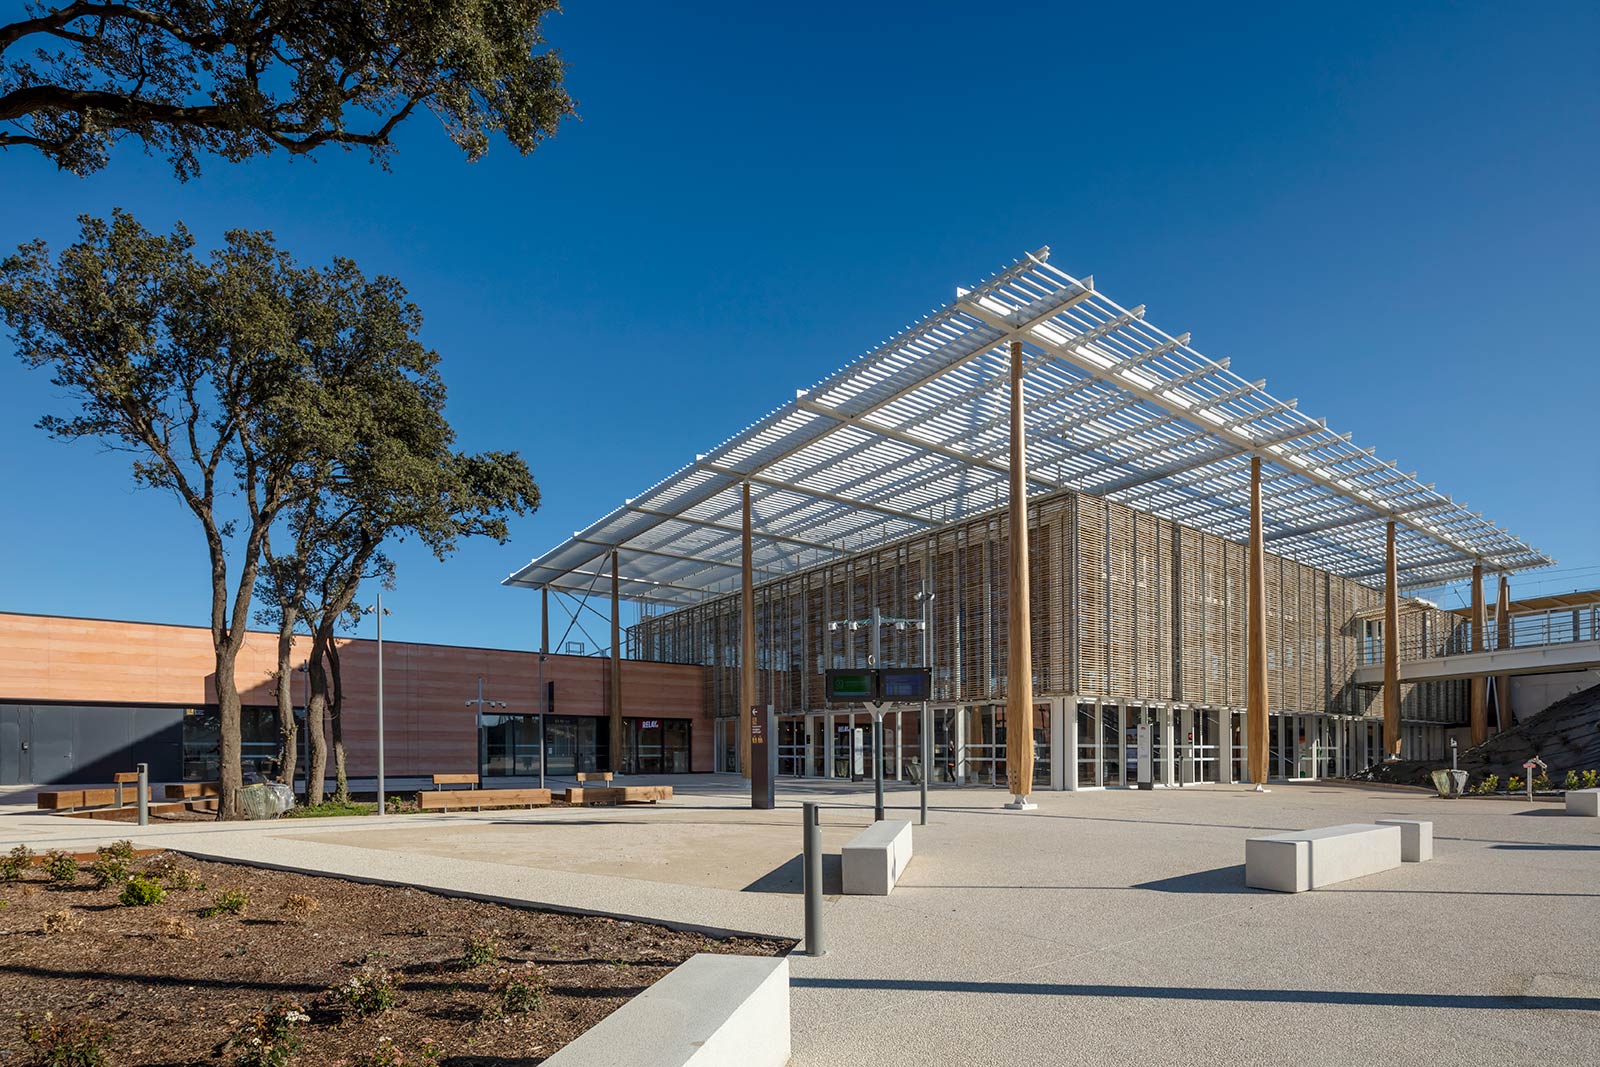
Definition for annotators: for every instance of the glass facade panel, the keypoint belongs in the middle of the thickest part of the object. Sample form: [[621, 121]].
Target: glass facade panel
[[258, 727], [1086, 746]]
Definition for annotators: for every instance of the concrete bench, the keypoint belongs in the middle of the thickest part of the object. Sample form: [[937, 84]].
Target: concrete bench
[[711, 1011], [1416, 838], [1583, 802], [478, 799], [1311, 859], [875, 858]]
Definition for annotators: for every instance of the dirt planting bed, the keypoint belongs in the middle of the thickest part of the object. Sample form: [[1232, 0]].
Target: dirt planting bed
[[326, 970]]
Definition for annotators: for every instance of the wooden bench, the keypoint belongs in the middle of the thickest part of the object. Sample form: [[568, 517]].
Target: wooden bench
[[1310, 859], [875, 858], [478, 799], [593, 776], [193, 790], [69, 799], [468, 780], [619, 794]]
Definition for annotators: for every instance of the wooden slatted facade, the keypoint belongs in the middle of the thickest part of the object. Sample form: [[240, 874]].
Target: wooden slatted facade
[[1125, 606]]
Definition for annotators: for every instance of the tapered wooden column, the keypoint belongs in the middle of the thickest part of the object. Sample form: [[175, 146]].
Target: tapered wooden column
[[1256, 637], [1391, 646], [1502, 639], [747, 640], [1019, 671], [1480, 682], [616, 670]]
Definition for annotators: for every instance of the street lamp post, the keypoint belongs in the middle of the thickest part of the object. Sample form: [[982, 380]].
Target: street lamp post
[[481, 704], [378, 611]]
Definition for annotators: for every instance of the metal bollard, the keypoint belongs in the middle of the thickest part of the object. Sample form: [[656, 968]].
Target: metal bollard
[[811, 815], [144, 793]]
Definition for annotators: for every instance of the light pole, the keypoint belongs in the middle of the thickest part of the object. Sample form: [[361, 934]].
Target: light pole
[[481, 704], [924, 597], [378, 611]]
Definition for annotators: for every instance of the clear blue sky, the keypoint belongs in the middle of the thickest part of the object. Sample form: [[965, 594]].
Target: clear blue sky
[[1389, 214]]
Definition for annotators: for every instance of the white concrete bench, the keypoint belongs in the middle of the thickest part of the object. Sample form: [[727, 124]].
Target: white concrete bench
[[1310, 859], [711, 1011], [1416, 838], [1583, 802], [875, 858]]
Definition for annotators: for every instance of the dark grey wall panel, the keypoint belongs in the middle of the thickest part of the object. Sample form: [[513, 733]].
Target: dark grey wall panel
[[73, 744]]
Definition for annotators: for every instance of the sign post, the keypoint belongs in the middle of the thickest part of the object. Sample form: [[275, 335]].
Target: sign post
[[763, 757], [1530, 766], [873, 689]]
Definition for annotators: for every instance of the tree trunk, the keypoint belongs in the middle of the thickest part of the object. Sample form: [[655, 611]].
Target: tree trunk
[[316, 713], [288, 735], [341, 791], [231, 771]]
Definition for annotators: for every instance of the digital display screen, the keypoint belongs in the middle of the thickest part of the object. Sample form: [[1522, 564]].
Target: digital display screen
[[903, 686], [847, 687]]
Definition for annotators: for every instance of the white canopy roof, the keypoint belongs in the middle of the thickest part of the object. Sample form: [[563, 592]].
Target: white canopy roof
[[913, 435]]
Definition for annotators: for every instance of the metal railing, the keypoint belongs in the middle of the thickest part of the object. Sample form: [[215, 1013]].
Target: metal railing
[[1556, 626]]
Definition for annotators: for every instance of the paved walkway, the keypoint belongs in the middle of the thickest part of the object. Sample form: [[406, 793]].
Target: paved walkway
[[1106, 927]]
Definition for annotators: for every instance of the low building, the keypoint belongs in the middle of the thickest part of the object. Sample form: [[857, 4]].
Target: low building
[[81, 699]]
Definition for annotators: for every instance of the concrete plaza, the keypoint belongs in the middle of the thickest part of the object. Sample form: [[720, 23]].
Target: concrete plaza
[[1104, 927]]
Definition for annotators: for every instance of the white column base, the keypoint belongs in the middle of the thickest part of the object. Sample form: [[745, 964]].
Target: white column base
[[1020, 803]]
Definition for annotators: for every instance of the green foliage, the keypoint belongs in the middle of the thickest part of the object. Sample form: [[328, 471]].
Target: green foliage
[[371, 992], [60, 867], [74, 1042], [238, 79], [229, 902], [1591, 779], [518, 991], [1514, 784], [329, 809], [398, 805], [1541, 783], [1570, 782], [269, 1039], [16, 863], [184, 879], [478, 950], [141, 892], [1489, 784], [388, 1054], [108, 870], [119, 850]]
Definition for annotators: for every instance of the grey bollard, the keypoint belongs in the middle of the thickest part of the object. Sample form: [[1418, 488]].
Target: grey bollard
[[144, 793], [811, 815]]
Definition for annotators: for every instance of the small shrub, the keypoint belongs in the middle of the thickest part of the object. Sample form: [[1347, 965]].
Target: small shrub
[[59, 922], [119, 850], [479, 950], [1591, 779], [1514, 784], [1541, 784], [76, 1042], [161, 866], [388, 1054], [59, 867], [175, 927], [184, 879], [398, 805], [1489, 784], [371, 992], [1570, 782], [269, 1039], [298, 907], [108, 870], [518, 991], [141, 892], [16, 863], [229, 901]]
